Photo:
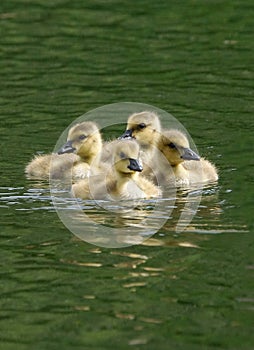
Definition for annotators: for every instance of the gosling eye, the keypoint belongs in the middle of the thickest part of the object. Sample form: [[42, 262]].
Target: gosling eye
[[172, 145], [82, 137], [123, 155], [141, 125]]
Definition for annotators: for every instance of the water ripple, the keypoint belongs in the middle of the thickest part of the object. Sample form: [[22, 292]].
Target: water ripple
[[205, 221]]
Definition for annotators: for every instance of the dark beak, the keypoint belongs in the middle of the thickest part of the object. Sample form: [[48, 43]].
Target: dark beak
[[66, 148], [188, 154], [127, 134], [135, 165]]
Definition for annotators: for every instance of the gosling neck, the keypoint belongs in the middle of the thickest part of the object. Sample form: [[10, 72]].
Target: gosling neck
[[124, 178], [92, 159]]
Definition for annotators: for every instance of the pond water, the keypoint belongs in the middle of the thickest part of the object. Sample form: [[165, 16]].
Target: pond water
[[188, 290]]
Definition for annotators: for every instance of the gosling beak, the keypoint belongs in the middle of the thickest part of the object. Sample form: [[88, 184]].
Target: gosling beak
[[126, 135], [188, 154], [135, 165], [66, 148]]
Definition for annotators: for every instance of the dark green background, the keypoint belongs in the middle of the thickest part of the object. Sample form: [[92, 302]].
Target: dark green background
[[194, 59]]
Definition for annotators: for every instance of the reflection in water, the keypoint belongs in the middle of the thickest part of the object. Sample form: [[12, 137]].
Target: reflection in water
[[114, 224], [194, 203], [109, 223]]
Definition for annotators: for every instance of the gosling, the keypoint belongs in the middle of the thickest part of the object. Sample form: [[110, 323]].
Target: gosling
[[123, 181]]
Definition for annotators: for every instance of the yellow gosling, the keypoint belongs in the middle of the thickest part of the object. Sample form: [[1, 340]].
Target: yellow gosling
[[79, 155], [123, 181], [145, 127], [181, 165], [84, 139]]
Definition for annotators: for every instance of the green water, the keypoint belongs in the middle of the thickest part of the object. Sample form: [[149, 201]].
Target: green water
[[194, 59]]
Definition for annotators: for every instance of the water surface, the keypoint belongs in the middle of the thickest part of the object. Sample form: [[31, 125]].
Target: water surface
[[192, 290]]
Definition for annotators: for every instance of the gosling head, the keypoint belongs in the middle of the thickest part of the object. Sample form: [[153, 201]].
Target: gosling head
[[144, 127], [126, 157], [84, 139], [175, 147]]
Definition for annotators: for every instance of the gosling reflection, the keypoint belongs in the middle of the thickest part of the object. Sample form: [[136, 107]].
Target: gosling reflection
[[195, 209]]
